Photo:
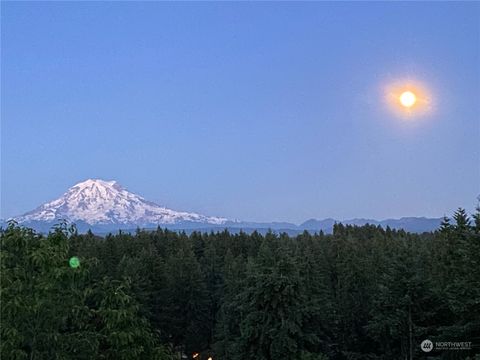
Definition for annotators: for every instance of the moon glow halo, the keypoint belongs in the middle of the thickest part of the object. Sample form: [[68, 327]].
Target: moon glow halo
[[408, 99]]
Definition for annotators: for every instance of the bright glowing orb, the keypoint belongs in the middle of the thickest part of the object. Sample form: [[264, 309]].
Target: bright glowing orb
[[408, 99]]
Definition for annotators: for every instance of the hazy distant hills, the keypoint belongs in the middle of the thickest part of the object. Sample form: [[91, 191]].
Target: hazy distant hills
[[105, 206], [412, 224]]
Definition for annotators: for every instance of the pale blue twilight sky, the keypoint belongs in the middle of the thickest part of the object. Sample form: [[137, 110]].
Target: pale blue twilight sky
[[255, 111]]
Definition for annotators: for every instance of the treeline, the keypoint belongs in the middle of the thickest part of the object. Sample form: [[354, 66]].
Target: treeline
[[360, 293]]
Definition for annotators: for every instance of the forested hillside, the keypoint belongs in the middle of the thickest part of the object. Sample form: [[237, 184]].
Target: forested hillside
[[360, 293]]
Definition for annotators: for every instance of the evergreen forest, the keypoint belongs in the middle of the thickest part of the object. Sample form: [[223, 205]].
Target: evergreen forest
[[358, 293]]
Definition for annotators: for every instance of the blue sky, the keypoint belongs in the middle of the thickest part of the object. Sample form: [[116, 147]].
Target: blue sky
[[254, 111]]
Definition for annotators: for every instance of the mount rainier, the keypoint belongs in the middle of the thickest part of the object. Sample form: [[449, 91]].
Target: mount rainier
[[102, 203]]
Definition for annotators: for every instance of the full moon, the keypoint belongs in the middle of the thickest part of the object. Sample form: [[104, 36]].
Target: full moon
[[408, 99]]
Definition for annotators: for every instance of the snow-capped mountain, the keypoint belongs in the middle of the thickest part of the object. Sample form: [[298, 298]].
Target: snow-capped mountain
[[99, 202]]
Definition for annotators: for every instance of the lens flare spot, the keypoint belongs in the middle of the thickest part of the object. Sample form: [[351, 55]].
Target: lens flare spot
[[74, 262]]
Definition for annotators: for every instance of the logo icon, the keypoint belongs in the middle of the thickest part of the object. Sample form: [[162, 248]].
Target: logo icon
[[426, 345]]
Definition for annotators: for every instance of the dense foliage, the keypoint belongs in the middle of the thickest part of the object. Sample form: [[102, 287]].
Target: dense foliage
[[359, 293]]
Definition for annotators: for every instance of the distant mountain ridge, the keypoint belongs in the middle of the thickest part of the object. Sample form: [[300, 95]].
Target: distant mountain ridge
[[105, 206], [412, 224]]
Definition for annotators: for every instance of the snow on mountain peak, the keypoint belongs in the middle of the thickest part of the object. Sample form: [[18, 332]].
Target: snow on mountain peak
[[99, 202]]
